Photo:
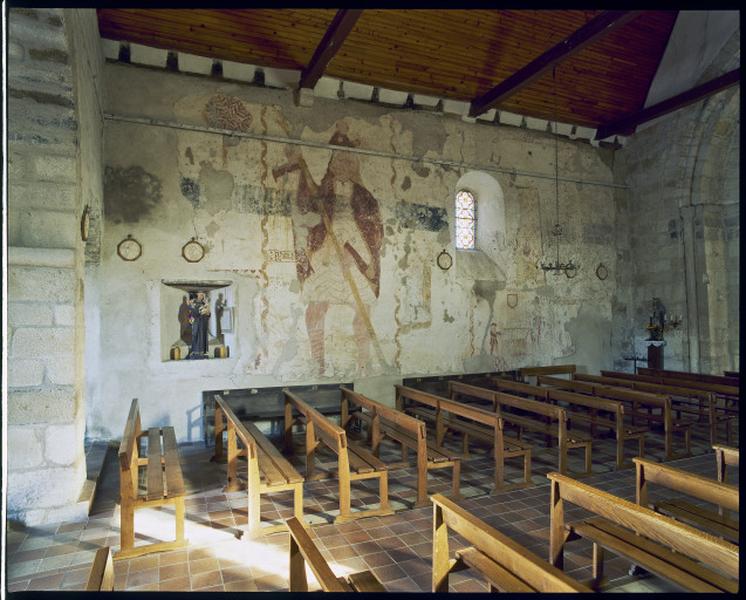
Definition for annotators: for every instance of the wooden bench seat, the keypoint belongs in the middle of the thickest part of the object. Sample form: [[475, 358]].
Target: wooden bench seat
[[655, 409], [696, 486], [687, 376], [101, 575], [449, 414], [410, 433], [704, 404], [354, 462], [589, 410], [268, 471], [687, 557], [303, 551], [533, 415], [507, 566], [154, 480]]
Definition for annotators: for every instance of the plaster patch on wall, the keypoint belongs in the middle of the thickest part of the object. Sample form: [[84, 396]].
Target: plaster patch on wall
[[130, 194], [421, 216], [406, 183], [218, 188]]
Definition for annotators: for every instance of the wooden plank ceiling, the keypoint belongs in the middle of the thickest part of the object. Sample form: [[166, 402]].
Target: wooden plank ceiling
[[457, 54]]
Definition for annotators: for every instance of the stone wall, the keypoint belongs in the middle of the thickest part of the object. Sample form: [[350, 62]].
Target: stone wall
[[682, 209], [367, 303], [54, 147]]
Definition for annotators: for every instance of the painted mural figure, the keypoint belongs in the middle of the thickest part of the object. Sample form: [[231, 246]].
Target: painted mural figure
[[199, 315], [185, 325], [331, 249]]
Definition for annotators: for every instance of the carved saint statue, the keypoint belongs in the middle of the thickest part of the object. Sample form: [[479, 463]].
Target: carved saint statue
[[219, 308], [199, 315]]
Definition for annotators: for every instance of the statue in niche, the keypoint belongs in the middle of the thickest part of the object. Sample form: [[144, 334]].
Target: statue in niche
[[219, 309], [329, 264], [185, 325], [199, 316]]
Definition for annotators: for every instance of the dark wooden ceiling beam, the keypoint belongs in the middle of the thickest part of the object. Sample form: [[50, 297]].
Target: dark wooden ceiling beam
[[628, 124], [591, 31], [339, 28]]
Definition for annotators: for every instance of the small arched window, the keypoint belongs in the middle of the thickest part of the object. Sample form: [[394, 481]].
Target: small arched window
[[466, 220]]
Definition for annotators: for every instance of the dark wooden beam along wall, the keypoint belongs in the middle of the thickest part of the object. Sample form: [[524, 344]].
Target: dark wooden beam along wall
[[339, 28], [627, 125], [598, 27]]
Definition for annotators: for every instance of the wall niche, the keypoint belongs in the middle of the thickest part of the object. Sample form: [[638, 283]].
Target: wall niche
[[197, 319]]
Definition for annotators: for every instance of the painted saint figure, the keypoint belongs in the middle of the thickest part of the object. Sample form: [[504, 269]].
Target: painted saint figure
[[331, 248], [199, 316], [185, 325]]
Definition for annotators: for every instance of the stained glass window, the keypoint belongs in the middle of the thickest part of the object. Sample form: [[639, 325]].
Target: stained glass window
[[466, 221]]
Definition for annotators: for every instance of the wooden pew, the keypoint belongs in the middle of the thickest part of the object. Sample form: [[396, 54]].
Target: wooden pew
[[101, 576], [526, 372], [725, 456], [592, 384], [553, 425], [164, 483], [707, 405], [733, 375], [483, 425], [353, 462], [303, 550], [593, 405], [410, 433], [268, 471], [685, 375], [728, 391], [677, 552], [507, 566], [702, 488]]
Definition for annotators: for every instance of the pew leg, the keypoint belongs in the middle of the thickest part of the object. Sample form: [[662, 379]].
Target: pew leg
[[254, 511], [588, 457], [688, 441], [441, 562], [466, 445], [344, 496], [456, 485], [598, 566], [404, 453], [527, 466], [298, 581], [383, 491], [641, 452], [126, 526], [179, 513], [298, 503], [619, 452]]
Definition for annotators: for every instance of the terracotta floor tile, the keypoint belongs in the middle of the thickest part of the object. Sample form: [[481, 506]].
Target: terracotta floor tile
[[364, 548], [180, 584], [143, 577], [235, 573], [141, 563], [174, 571], [49, 582], [389, 573], [335, 541], [173, 557], [203, 565], [206, 579], [378, 559], [240, 585], [355, 537]]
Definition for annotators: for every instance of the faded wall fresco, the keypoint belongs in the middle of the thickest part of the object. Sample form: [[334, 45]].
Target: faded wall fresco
[[332, 253]]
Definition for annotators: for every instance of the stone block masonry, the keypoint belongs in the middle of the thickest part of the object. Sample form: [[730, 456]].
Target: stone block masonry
[[50, 133]]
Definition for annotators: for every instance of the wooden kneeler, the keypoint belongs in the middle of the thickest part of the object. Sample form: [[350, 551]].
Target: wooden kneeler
[[164, 483]]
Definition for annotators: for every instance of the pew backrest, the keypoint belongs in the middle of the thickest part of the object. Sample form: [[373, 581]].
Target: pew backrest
[[223, 408], [686, 376], [301, 543], [388, 413], [548, 370], [673, 534], [128, 447], [725, 456], [724, 390], [332, 434], [702, 488]]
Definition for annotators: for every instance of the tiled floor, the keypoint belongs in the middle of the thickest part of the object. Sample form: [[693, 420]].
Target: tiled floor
[[396, 548]]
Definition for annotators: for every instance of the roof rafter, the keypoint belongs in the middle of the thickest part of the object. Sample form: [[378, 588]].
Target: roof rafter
[[591, 31], [626, 125], [338, 29]]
